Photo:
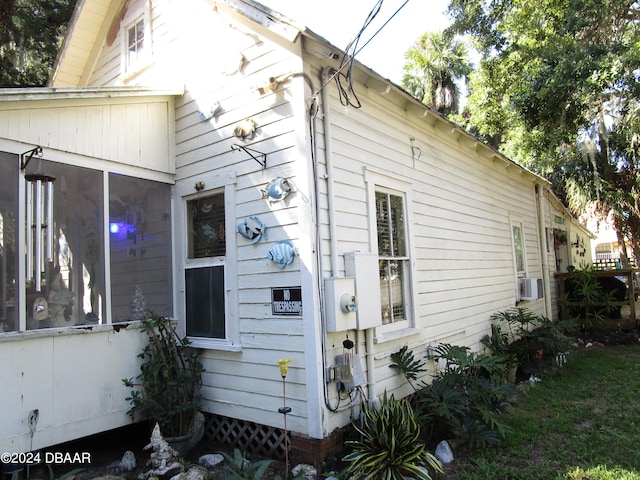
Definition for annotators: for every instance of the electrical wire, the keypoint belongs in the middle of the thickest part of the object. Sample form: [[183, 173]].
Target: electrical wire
[[344, 80]]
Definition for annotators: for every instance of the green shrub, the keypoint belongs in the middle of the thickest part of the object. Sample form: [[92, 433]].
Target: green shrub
[[478, 378], [465, 400], [167, 389], [532, 337], [595, 302], [390, 446]]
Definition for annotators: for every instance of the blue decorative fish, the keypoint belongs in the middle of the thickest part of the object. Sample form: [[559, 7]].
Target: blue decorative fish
[[282, 253], [252, 228], [209, 231], [277, 189]]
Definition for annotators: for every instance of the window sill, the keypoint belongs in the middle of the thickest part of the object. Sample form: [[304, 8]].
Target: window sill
[[126, 76], [214, 344], [60, 331]]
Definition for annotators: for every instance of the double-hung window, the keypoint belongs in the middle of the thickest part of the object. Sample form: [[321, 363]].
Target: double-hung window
[[519, 252], [205, 268], [389, 200], [393, 260], [136, 41]]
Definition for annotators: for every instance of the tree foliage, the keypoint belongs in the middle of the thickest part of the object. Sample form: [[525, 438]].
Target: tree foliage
[[433, 65], [558, 90], [31, 33]]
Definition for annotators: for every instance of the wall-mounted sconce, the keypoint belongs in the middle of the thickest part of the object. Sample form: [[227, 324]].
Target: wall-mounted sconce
[[199, 186], [270, 86], [245, 130]]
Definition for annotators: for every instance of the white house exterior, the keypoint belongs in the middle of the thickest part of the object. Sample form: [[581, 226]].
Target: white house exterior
[[164, 122]]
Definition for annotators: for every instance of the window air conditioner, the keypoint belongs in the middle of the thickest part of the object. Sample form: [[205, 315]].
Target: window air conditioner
[[530, 288]]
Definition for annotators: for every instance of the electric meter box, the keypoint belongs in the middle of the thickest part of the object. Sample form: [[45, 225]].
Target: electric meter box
[[363, 267], [340, 304]]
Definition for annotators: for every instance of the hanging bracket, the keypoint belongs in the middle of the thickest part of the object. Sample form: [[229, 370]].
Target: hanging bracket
[[31, 153], [250, 151]]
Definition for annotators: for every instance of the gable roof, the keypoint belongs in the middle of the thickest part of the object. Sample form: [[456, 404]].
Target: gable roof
[[86, 33]]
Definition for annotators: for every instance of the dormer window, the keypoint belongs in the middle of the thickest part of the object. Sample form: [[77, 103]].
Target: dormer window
[[136, 41]]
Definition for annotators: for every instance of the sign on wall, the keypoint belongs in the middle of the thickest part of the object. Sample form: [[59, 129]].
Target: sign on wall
[[286, 301]]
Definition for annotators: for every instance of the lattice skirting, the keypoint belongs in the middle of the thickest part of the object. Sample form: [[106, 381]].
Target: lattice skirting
[[247, 436]]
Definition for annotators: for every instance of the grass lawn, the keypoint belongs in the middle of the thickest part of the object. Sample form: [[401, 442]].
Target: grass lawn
[[582, 422]]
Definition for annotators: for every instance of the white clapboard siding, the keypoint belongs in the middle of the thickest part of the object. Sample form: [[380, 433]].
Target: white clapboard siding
[[461, 204], [129, 133], [247, 384]]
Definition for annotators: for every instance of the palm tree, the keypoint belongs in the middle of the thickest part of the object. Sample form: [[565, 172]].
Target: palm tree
[[433, 65]]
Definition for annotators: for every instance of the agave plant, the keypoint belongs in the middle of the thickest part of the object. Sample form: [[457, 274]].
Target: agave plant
[[390, 446]]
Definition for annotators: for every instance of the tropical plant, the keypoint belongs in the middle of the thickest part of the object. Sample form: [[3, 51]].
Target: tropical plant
[[390, 447], [239, 468], [433, 65], [465, 400], [404, 361], [167, 389], [594, 303], [498, 344], [478, 379], [531, 337]]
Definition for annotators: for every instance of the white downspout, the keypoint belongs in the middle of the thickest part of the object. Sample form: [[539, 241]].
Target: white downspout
[[543, 252], [325, 76]]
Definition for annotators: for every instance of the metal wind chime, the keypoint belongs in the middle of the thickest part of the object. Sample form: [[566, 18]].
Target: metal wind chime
[[39, 210]]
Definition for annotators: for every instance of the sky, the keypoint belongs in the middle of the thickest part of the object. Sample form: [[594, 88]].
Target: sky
[[339, 21]]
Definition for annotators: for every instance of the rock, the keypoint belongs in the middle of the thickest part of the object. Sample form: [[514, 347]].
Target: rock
[[210, 460], [444, 453], [305, 471], [164, 461], [128, 462], [194, 473], [196, 432]]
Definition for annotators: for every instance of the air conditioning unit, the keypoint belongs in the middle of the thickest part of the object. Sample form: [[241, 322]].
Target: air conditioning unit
[[530, 288]]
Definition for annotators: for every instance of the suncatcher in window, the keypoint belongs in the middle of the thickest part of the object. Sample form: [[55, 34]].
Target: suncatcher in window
[[393, 260]]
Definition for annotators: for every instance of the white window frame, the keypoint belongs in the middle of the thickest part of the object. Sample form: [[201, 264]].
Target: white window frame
[[379, 181], [516, 222], [131, 19], [184, 193]]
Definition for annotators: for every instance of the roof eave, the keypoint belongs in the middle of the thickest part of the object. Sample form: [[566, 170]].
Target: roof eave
[[50, 93]]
